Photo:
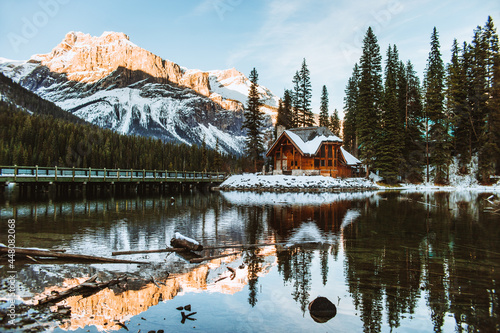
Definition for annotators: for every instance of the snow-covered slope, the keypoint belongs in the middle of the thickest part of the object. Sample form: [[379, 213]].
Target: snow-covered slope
[[111, 82]]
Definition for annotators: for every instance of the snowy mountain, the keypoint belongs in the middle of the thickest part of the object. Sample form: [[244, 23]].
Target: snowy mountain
[[111, 82]]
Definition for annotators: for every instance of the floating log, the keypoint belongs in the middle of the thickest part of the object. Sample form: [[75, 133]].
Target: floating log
[[178, 249], [241, 246], [170, 249], [185, 242], [86, 286], [198, 260], [80, 257]]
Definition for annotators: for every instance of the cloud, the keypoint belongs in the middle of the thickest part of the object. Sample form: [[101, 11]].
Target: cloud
[[327, 34]]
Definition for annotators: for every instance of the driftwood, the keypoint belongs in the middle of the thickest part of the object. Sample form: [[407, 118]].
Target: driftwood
[[90, 285], [184, 242], [171, 249], [198, 260], [174, 249], [241, 246], [79, 257]]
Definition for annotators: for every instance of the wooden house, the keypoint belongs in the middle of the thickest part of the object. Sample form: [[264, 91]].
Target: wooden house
[[312, 151]]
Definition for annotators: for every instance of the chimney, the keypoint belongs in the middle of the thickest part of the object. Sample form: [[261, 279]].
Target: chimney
[[279, 130]]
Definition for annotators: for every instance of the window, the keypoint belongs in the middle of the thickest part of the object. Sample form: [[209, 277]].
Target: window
[[329, 162], [330, 152], [322, 163], [323, 151]]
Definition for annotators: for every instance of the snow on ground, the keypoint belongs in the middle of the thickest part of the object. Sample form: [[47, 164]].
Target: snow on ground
[[311, 183], [281, 182]]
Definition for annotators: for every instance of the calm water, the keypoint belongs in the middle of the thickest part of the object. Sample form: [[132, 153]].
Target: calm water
[[389, 261]]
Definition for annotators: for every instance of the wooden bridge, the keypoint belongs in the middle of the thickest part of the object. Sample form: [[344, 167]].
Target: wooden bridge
[[61, 179]]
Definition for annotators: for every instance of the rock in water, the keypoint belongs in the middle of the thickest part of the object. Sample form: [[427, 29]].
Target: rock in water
[[322, 310]]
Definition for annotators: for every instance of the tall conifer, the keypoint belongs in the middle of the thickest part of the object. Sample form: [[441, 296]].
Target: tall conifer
[[438, 140], [413, 151], [295, 101], [304, 98], [389, 150], [457, 104], [489, 152], [334, 123], [350, 111], [254, 121], [288, 108], [369, 100], [323, 108]]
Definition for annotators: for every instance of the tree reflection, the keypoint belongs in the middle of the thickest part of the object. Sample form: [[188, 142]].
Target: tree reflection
[[252, 259], [403, 248]]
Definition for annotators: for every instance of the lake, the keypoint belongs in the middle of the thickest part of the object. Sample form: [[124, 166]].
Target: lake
[[399, 261]]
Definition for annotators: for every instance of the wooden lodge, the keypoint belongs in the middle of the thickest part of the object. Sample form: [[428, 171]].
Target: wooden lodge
[[312, 151]]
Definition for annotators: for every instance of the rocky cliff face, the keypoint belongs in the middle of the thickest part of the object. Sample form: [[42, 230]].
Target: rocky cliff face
[[112, 82]]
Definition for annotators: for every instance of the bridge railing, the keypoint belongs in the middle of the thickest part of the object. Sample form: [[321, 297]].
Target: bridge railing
[[68, 174]]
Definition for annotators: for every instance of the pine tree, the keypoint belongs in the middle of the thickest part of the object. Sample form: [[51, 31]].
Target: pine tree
[[285, 111], [279, 118], [307, 117], [350, 111], [334, 123], [288, 109], [253, 123], [437, 124], [457, 104], [369, 100], [489, 152], [389, 152], [414, 148], [295, 101], [323, 108]]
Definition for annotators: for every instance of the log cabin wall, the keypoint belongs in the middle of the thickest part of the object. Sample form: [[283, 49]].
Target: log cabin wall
[[328, 160]]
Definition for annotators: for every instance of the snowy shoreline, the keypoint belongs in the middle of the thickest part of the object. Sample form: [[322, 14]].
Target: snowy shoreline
[[281, 183]]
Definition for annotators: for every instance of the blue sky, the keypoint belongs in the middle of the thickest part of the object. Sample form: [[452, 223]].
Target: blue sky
[[273, 36]]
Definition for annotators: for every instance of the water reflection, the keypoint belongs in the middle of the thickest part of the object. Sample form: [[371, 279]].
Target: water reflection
[[388, 260]]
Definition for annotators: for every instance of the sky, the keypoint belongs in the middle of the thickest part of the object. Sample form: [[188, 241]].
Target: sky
[[274, 36]]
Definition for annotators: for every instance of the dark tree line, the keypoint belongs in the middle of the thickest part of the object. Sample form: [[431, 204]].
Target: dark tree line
[[47, 141], [401, 129]]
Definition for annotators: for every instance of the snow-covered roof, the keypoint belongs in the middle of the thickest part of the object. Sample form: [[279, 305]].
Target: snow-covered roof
[[309, 139], [350, 159]]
